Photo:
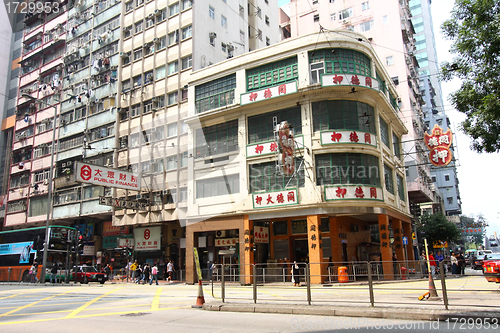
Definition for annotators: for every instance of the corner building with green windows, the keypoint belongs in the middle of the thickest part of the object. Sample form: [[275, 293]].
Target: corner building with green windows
[[346, 201]]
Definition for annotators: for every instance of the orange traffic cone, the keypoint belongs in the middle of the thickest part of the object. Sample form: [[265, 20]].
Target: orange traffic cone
[[433, 296], [200, 300]]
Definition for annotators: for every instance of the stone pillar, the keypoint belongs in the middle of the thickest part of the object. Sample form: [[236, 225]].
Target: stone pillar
[[191, 275], [246, 247], [315, 248], [385, 246], [397, 228]]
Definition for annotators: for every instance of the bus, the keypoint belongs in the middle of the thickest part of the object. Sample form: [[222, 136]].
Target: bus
[[20, 249]]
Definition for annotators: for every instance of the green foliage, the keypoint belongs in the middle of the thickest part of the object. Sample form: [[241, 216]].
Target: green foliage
[[474, 29], [436, 227]]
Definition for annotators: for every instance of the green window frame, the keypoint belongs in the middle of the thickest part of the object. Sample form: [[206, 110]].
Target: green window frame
[[347, 168], [215, 94], [279, 72], [213, 187], [263, 177], [339, 114], [394, 103], [396, 144], [401, 187], [260, 128], [389, 181], [217, 139], [384, 132], [381, 83], [342, 61]]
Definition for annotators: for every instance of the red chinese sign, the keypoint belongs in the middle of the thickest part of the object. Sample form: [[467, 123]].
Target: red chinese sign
[[99, 175], [226, 241], [271, 199], [439, 144], [270, 92], [261, 235]]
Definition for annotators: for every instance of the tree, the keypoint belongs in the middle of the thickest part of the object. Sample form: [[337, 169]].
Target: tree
[[474, 29], [436, 227]]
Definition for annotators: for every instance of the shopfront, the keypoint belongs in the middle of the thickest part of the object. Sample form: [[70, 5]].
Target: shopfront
[[115, 242]]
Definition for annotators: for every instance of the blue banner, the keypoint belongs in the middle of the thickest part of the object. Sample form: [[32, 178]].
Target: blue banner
[[23, 249]]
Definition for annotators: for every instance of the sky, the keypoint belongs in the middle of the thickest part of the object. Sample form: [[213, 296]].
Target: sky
[[476, 172]]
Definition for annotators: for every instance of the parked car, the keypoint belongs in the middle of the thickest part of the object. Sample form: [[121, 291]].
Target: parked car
[[479, 257], [86, 274], [491, 267]]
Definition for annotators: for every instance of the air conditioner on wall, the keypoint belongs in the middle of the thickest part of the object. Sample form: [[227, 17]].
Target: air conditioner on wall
[[220, 233]]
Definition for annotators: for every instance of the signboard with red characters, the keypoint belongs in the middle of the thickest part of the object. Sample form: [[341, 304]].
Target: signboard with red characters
[[439, 144], [348, 136], [261, 235], [226, 241], [98, 175], [147, 239], [275, 199], [287, 145], [353, 192], [349, 80], [270, 147], [270, 92], [472, 231]]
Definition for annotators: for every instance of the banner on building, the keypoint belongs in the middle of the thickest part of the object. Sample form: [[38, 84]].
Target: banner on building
[[108, 229], [439, 145], [99, 175], [147, 239]]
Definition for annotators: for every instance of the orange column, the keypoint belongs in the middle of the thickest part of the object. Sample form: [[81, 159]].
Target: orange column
[[191, 275], [385, 246], [246, 247], [397, 228], [335, 240], [315, 248]]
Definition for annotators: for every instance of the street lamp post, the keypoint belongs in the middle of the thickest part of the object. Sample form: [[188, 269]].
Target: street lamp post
[[49, 192]]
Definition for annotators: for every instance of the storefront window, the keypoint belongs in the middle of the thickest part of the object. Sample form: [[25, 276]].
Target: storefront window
[[325, 224], [280, 249], [280, 228], [327, 247], [299, 227]]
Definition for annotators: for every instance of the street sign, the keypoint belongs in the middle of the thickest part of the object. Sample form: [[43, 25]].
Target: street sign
[[122, 203], [99, 175], [405, 240]]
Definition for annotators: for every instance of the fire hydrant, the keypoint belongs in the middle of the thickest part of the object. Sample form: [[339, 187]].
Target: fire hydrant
[[403, 273]]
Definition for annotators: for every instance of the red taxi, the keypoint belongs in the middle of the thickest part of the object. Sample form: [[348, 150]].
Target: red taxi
[[86, 274], [491, 267]]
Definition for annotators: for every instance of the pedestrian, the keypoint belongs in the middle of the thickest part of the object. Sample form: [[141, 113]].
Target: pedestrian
[[461, 263], [170, 270], [295, 274], [440, 258], [432, 263], [284, 265], [213, 267], [423, 263], [154, 274], [32, 273], [138, 274], [145, 273], [454, 264], [395, 263], [53, 273], [133, 268]]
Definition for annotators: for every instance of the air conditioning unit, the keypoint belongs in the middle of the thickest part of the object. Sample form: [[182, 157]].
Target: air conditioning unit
[[124, 54], [220, 233], [156, 40], [212, 35], [42, 145], [150, 16], [154, 99], [138, 196], [156, 12], [166, 192]]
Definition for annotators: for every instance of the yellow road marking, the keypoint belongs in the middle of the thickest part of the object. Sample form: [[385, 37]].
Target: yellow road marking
[[156, 299], [31, 304], [77, 311]]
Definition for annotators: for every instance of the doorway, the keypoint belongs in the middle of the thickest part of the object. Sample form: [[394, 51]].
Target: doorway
[[300, 250]]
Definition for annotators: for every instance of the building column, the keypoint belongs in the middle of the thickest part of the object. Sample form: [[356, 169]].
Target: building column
[[397, 228], [407, 232], [315, 248], [191, 275], [335, 239], [385, 246], [246, 247]]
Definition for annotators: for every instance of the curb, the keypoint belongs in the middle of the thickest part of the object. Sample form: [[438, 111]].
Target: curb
[[365, 312]]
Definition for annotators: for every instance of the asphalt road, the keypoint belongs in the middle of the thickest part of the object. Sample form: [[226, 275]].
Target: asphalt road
[[166, 308]]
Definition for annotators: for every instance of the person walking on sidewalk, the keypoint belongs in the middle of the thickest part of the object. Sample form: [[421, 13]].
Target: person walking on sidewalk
[[295, 274], [454, 265], [133, 269], [53, 273], [146, 270], [154, 274], [461, 263], [170, 270]]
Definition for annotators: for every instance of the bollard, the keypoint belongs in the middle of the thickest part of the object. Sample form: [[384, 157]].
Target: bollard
[[8, 274], [222, 284], [443, 284], [308, 284], [343, 277], [370, 285], [254, 284], [403, 273]]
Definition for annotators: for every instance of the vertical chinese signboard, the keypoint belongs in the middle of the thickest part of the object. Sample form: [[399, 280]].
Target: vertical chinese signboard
[[439, 145]]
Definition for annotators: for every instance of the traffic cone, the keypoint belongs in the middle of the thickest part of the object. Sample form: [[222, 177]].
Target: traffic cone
[[200, 300], [433, 296], [423, 296]]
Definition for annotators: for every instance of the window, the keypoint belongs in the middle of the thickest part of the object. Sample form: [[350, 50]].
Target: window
[[384, 132], [186, 4], [450, 200], [138, 27], [162, 16], [263, 177], [242, 11], [223, 21], [316, 18], [401, 187], [271, 74], [333, 17], [187, 32], [187, 62], [342, 114], [347, 168], [173, 37], [172, 129], [160, 101], [433, 179], [135, 110], [342, 61], [242, 37], [173, 67], [138, 54], [267, 20], [346, 13], [211, 39], [173, 9], [268, 41], [183, 194], [260, 127], [139, 2], [389, 182], [215, 94], [126, 85], [396, 143], [389, 61], [129, 6], [211, 12], [149, 22], [162, 43], [385, 19], [217, 139], [148, 77], [446, 177], [367, 26], [365, 5], [184, 127], [172, 162], [160, 72], [217, 186], [258, 12], [148, 49], [259, 34], [172, 98], [317, 70]]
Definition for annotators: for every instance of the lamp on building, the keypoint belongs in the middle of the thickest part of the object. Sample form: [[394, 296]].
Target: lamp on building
[[49, 185]]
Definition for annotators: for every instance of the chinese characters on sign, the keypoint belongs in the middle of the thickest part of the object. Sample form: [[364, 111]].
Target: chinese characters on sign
[[272, 199], [265, 148], [226, 241], [343, 136], [261, 235], [315, 237], [384, 235], [98, 175], [439, 144], [259, 95], [248, 239], [147, 238], [349, 79], [356, 192], [122, 203]]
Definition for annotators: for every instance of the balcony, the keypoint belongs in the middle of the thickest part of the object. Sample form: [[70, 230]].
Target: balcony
[[18, 168]]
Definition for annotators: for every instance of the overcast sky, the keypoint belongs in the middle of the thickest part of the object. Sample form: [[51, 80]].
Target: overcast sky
[[476, 172]]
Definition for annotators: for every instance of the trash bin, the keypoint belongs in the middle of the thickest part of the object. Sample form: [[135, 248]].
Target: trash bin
[[343, 277], [403, 273]]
